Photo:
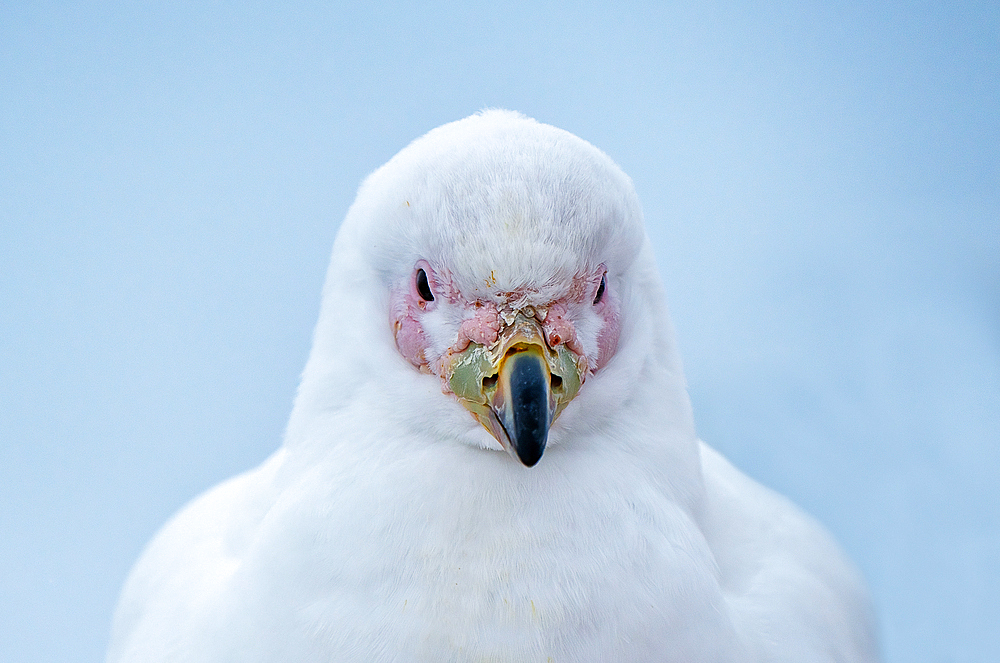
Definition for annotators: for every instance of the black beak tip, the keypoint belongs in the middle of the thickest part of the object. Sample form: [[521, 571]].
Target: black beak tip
[[530, 456]]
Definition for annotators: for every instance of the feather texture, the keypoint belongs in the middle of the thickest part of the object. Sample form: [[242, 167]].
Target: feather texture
[[388, 528]]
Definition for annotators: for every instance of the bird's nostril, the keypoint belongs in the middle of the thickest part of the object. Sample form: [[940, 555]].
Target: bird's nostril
[[556, 382], [489, 382]]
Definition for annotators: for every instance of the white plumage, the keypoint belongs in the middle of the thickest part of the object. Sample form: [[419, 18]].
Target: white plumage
[[391, 527]]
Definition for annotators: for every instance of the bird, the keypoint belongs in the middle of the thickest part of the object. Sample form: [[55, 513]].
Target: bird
[[492, 455]]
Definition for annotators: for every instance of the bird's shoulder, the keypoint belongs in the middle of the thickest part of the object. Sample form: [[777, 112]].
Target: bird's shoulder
[[791, 591], [188, 563]]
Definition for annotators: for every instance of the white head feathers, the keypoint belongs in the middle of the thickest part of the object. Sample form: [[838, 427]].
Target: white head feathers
[[502, 203], [500, 193]]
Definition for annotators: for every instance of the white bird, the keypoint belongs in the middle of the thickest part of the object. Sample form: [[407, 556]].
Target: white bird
[[492, 289]]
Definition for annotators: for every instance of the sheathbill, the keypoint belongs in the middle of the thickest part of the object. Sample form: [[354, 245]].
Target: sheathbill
[[492, 454]]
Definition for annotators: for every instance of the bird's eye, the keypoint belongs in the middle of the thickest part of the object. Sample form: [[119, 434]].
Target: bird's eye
[[423, 287], [600, 292]]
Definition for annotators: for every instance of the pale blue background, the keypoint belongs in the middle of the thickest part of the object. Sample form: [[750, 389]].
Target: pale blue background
[[820, 180]]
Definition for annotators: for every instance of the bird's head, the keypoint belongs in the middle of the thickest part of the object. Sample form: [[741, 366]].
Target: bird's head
[[505, 253]]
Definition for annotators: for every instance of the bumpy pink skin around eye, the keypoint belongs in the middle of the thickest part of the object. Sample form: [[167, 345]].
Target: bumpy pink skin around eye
[[410, 337], [482, 328], [483, 322], [607, 339], [405, 306], [558, 329]]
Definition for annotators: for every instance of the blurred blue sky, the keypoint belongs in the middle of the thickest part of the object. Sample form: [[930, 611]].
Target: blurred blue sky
[[821, 182]]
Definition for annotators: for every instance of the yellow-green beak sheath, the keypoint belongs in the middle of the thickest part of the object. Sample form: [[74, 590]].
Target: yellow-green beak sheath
[[517, 387]]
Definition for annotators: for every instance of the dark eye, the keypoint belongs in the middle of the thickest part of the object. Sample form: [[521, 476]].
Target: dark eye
[[423, 287], [600, 292]]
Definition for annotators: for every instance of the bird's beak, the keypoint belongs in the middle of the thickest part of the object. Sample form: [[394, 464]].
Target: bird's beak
[[518, 386]]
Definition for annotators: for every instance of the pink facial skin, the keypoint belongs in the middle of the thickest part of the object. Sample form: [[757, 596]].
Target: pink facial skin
[[482, 328], [410, 337], [406, 306], [483, 321], [607, 339], [560, 330]]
